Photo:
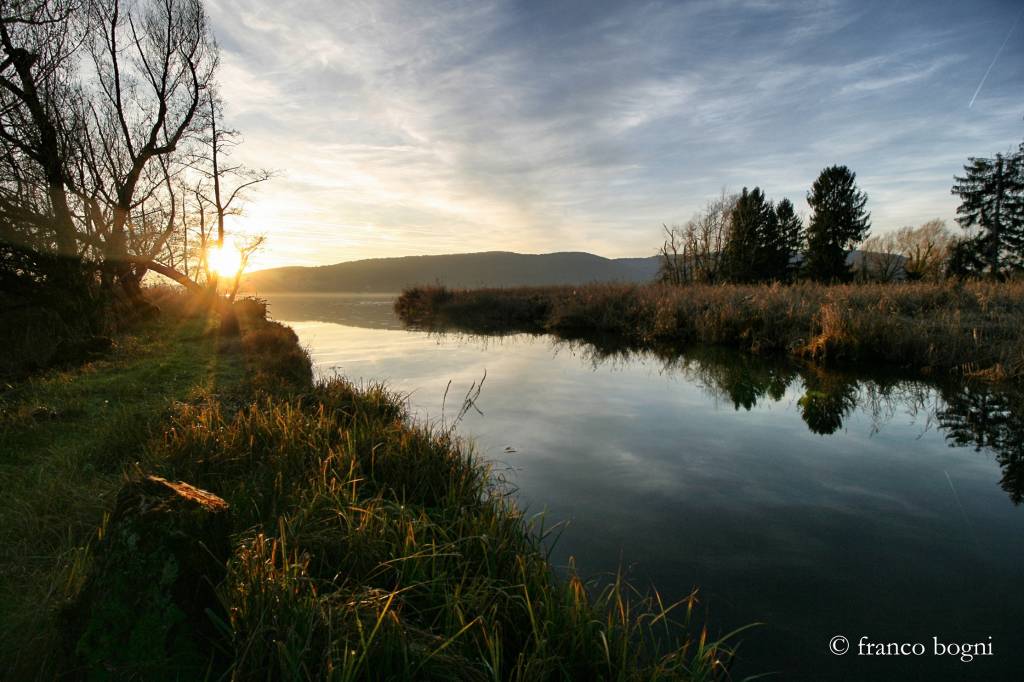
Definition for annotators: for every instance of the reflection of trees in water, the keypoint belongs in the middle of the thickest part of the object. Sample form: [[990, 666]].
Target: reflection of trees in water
[[747, 380], [968, 414], [743, 379], [985, 419], [974, 415], [739, 378], [831, 396], [827, 401]]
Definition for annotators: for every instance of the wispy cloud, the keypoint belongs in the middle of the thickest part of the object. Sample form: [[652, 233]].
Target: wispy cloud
[[409, 127]]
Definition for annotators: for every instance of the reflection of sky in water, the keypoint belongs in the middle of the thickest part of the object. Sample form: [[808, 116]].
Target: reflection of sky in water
[[857, 533]]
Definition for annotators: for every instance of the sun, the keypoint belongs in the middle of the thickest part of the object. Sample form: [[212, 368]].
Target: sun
[[225, 261]]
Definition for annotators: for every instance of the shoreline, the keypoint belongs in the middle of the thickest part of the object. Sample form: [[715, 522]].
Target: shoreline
[[966, 330], [361, 543]]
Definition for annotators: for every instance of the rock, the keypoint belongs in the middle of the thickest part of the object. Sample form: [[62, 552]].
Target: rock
[[148, 605]]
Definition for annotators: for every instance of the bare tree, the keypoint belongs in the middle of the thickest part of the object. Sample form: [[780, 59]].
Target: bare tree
[[37, 75], [709, 234], [674, 267], [153, 64], [880, 259], [926, 249], [911, 253], [693, 252], [225, 180], [186, 247], [112, 146], [246, 250]]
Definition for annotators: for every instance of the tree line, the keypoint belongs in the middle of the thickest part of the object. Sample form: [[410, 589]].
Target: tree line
[[114, 157], [747, 238]]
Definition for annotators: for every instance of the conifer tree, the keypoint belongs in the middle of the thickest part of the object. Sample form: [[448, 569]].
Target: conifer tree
[[992, 199], [752, 224], [838, 222], [787, 242]]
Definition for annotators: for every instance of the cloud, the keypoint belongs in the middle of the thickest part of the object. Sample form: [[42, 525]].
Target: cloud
[[407, 127]]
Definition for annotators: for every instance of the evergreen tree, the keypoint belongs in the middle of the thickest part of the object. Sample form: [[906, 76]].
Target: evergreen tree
[[992, 199], [753, 221], [838, 222], [965, 258], [788, 240]]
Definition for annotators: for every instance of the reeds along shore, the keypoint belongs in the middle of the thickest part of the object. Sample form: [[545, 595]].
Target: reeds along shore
[[363, 546], [973, 328]]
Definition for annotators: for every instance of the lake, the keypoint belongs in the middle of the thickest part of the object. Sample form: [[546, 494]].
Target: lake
[[821, 504]]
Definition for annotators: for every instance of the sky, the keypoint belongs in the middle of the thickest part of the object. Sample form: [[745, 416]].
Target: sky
[[414, 127]]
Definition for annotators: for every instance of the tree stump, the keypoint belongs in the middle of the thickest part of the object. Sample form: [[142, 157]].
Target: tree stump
[[149, 606]]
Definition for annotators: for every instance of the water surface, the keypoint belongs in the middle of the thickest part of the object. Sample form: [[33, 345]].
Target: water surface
[[818, 503]]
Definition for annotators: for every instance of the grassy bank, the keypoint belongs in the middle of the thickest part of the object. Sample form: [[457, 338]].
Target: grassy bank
[[973, 329], [364, 546], [68, 437]]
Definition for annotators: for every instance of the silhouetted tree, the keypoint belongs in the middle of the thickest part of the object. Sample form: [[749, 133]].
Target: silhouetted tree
[[97, 98], [674, 268], [693, 252], [838, 222], [965, 258], [992, 199], [227, 180], [753, 226], [38, 117], [153, 63], [789, 241]]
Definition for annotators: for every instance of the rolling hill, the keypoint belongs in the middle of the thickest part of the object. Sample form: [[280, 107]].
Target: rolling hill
[[487, 269]]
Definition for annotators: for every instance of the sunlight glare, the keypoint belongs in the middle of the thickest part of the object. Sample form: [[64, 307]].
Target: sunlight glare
[[225, 261]]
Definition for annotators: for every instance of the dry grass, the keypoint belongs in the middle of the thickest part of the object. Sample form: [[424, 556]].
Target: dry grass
[[972, 329], [375, 548]]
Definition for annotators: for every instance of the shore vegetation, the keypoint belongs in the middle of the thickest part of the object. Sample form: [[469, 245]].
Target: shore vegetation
[[349, 541], [969, 328]]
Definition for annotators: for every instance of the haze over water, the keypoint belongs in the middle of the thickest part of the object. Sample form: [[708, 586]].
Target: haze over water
[[817, 503]]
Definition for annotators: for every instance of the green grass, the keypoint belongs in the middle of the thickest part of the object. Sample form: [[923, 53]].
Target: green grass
[[970, 329], [65, 438], [379, 549], [366, 547]]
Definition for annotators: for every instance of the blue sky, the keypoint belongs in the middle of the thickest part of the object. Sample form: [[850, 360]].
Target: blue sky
[[404, 128]]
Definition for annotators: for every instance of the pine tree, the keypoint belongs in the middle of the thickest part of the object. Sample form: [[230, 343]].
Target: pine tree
[[965, 258], [992, 199], [752, 223], [788, 241], [838, 222]]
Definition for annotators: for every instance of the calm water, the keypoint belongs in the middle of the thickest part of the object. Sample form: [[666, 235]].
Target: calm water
[[820, 504]]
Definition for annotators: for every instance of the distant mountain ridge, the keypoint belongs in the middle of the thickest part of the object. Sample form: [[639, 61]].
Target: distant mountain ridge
[[485, 269]]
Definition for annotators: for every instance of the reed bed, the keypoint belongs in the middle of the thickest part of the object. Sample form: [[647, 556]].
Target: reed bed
[[972, 328]]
